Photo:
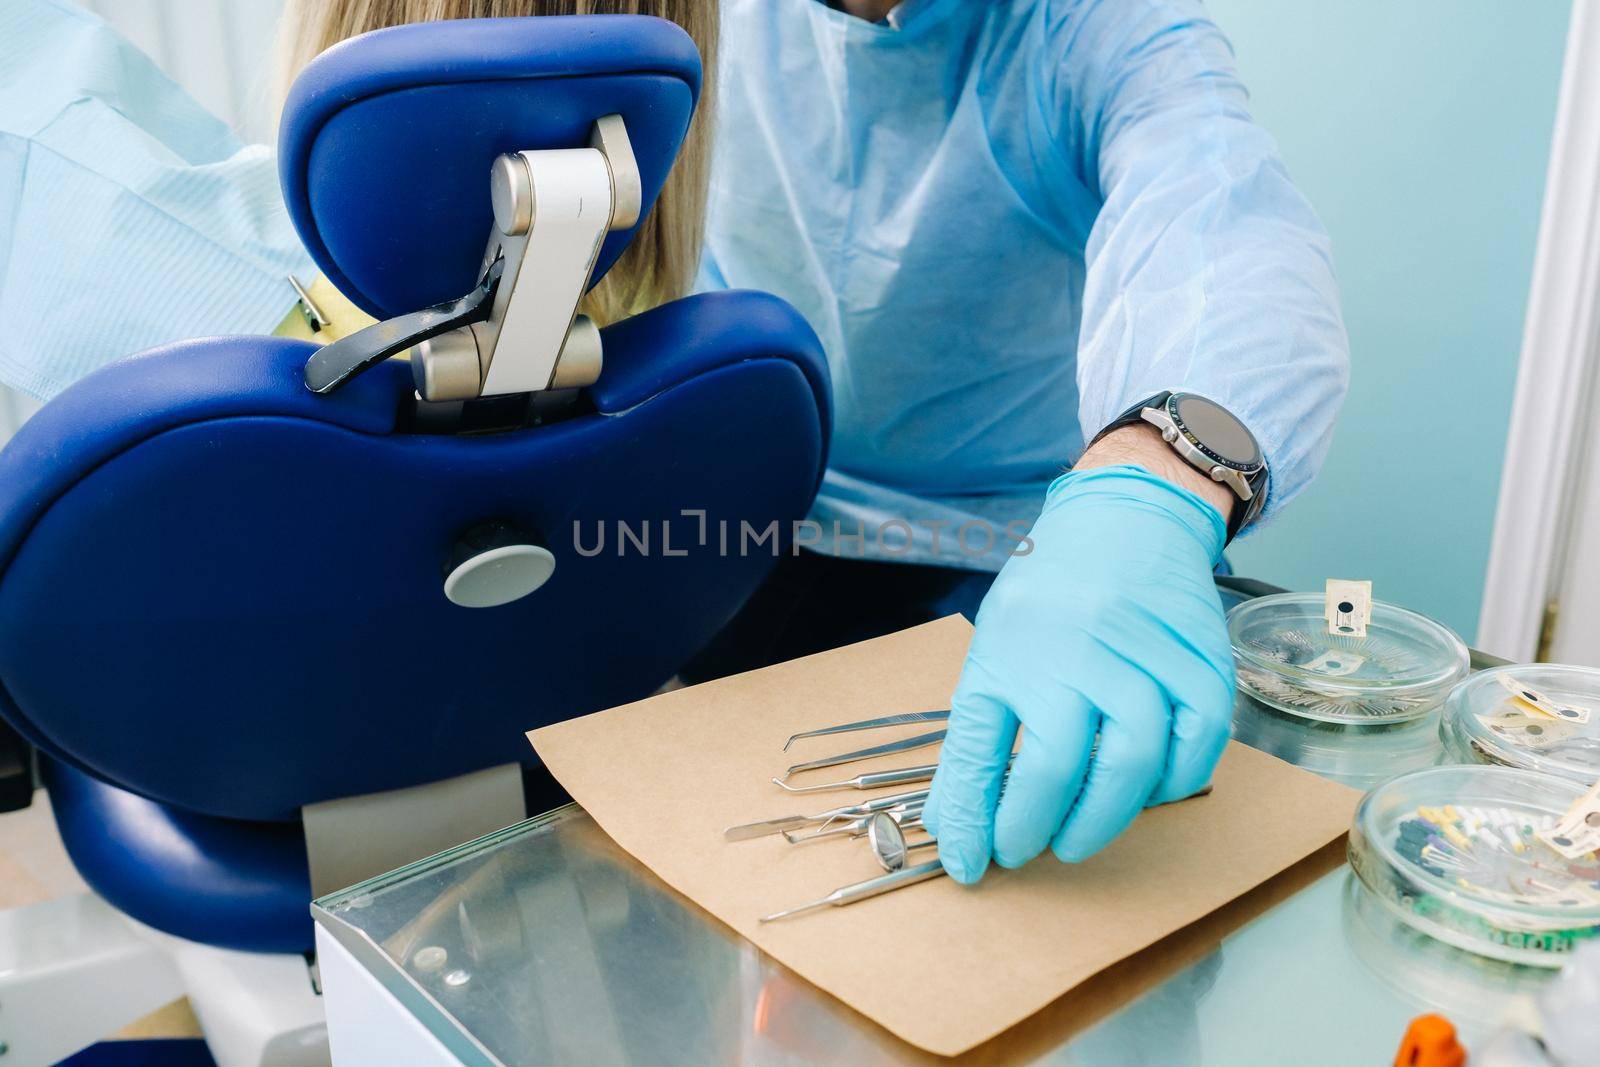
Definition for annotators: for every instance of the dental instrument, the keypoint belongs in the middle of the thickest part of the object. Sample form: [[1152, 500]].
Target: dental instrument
[[908, 816], [888, 840], [877, 780], [907, 745], [872, 887], [315, 319], [746, 831], [902, 719], [903, 776], [903, 877]]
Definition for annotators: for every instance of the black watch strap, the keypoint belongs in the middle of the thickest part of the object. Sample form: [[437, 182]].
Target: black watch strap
[[1245, 475]]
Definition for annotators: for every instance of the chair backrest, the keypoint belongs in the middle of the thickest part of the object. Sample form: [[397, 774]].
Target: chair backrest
[[224, 592]]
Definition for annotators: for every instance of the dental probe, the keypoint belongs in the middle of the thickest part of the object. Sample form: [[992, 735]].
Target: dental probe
[[862, 890], [903, 776]]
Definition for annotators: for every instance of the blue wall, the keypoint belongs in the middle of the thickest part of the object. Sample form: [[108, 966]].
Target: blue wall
[[1420, 129]]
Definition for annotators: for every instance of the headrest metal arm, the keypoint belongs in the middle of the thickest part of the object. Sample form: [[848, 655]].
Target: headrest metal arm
[[552, 210], [335, 364]]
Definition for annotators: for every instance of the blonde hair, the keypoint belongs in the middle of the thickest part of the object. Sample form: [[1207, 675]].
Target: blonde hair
[[661, 262]]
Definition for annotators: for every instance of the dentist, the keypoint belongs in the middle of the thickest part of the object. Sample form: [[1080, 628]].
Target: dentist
[[1030, 233]]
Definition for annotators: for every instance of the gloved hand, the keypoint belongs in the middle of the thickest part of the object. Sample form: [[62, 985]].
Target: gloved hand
[[1110, 626]]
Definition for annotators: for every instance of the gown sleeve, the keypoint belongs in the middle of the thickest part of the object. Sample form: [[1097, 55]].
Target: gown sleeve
[[1207, 270]]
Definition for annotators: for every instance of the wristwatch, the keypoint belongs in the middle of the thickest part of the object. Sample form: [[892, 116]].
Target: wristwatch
[[1211, 440]]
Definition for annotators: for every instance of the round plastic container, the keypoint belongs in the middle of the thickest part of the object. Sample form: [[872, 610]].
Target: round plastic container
[[1484, 722], [1452, 852], [1355, 754], [1428, 974], [1286, 659]]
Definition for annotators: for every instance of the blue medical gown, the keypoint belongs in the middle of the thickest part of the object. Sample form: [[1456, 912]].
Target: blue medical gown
[[1008, 222], [129, 216]]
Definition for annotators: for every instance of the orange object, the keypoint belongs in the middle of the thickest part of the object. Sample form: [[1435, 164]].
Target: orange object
[[1430, 1041]]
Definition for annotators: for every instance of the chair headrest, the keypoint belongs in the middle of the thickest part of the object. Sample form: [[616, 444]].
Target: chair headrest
[[387, 139]]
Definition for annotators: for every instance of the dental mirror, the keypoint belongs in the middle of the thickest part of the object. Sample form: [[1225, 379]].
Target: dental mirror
[[888, 842]]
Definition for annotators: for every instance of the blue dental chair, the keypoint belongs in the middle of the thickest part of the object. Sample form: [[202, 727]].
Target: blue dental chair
[[225, 597]]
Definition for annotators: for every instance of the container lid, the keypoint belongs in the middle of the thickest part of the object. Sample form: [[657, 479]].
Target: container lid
[[1287, 659], [1488, 719], [1455, 852]]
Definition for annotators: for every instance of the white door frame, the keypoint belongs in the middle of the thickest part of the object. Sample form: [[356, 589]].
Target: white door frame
[[1552, 413]]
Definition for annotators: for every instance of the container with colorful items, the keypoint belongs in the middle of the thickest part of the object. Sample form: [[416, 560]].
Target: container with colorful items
[[1427, 974], [1537, 716], [1288, 658], [1494, 860]]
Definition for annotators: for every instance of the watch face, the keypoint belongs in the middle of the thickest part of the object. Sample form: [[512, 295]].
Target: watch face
[[1214, 430]]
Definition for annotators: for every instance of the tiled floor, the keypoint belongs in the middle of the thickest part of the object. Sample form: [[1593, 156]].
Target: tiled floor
[[34, 868]]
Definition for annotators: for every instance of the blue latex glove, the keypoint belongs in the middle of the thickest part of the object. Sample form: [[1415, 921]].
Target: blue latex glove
[[1111, 625]]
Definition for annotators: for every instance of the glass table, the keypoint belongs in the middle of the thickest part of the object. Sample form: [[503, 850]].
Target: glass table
[[546, 943]]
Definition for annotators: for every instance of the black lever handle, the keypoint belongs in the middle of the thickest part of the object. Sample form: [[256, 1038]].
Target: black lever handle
[[335, 364]]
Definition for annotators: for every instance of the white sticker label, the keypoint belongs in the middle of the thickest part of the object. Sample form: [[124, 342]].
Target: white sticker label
[[1530, 697], [1348, 607], [1578, 832], [1529, 730], [1335, 663]]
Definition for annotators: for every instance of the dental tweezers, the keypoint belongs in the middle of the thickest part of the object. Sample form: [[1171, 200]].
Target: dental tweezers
[[872, 724], [906, 745]]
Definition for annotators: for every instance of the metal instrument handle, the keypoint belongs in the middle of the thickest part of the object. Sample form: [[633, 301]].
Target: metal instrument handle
[[908, 744], [899, 777], [887, 883], [900, 719], [892, 800]]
